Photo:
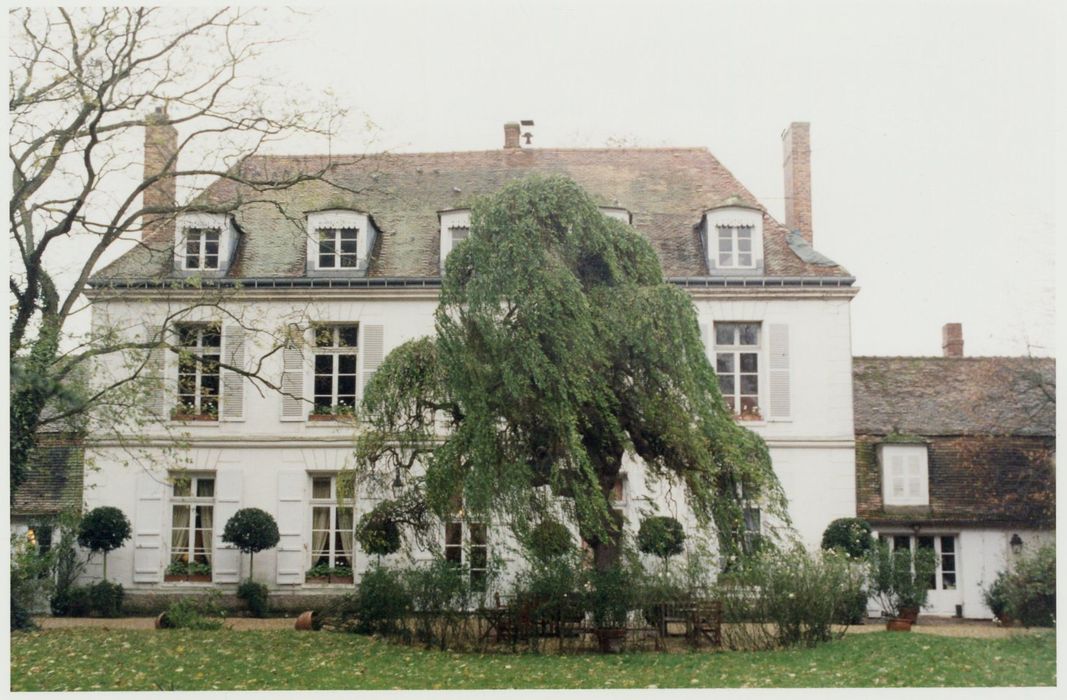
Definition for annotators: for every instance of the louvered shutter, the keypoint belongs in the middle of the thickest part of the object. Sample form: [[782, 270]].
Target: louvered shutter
[[154, 371], [226, 562], [233, 383], [292, 383], [373, 349], [148, 530], [778, 362], [291, 511], [704, 339]]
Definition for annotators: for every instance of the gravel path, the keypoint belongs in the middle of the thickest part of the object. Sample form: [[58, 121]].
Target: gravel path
[[240, 624]]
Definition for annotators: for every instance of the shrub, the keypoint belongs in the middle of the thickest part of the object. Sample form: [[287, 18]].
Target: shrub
[[105, 599], [72, 602], [996, 596], [611, 596], [788, 598], [29, 578], [899, 578], [381, 602], [251, 530], [1030, 592], [67, 566], [849, 535], [255, 596], [191, 614], [549, 539], [440, 595], [103, 529], [377, 531], [661, 536]]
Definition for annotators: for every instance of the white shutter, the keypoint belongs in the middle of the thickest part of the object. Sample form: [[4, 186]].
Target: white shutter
[[373, 349], [233, 383], [704, 339], [148, 530], [291, 511], [292, 384], [778, 391], [226, 562], [155, 390]]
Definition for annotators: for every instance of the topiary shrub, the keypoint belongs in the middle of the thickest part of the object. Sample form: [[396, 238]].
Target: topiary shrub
[[105, 599], [255, 596], [661, 536], [103, 529], [849, 535], [381, 602], [377, 531], [549, 539], [251, 530]]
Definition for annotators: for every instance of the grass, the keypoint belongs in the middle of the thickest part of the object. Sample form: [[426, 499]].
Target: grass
[[95, 659]]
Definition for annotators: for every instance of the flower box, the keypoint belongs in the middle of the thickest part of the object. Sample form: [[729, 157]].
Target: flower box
[[321, 580], [322, 417], [187, 578], [194, 417]]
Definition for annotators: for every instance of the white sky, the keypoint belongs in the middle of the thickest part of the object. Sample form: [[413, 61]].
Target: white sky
[[933, 178]]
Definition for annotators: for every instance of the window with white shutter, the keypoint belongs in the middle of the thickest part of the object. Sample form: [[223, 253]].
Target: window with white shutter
[[154, 373], [233, 383], [292, 384], [148, 529], [905, 476], [373, 352], [779, 395]]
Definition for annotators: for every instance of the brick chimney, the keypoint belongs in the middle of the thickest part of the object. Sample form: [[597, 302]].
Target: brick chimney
[[796, 162], [511, 135], [952, 340], [160, 145]]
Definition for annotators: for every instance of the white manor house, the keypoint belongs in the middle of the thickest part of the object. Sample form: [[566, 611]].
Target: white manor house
[[355, 264]]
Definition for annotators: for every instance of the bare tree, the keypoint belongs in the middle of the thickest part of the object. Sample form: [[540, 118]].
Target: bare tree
[[86, 85]]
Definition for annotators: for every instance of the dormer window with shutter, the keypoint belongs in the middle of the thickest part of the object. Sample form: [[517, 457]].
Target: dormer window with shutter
[[455, 228], [339, 242], [905, 475], [733, 240], [205, 244]]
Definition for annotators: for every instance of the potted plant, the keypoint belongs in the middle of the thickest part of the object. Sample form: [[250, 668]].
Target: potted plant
[[610, 597], [324, 573], [898, 580], [188, 571]]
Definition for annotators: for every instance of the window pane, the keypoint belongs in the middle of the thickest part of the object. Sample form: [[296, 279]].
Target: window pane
[[901, 542], [324, 364], [725, 233], [211, 262], [479, 557], [192, 262], [348, 260], [926, 542], [320, 487], [744, 233], [344, 519], [749, 362], [187, 336], [323, 336], [726, 259], [182, 487], [478, 534], [729, 399], [212, 337], [744, 259], [346, 385], [205, 488], [323, 386], [726, 245], [346, 364], [453, 534], [744, 245], [724, 333], [726, 384], [749, 384], [749, 406], [454, 554], [724, 363], [948, 582], [948, 544], [325, 261], [211, 247], [459, 233], [749, 333], [347, 336], [348, 244], [192, 246]]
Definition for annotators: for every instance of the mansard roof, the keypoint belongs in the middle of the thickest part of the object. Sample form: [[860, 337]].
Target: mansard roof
[[667, 191], [954, 395]]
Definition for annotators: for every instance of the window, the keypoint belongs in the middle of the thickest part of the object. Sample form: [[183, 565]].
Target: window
[[904, 475], [337, 248], [944, 546], [737, 364], [199, 350], [455, 228], [192, 519], [468, 543], [201, 248], [41, 537], [335, 368], [735, 246], [332, 522]]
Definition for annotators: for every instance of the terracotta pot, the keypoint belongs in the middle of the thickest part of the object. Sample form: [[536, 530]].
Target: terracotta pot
[[162, 622], [898, 624], [911, 614], [322, 416], [307, 621], [610, 639]]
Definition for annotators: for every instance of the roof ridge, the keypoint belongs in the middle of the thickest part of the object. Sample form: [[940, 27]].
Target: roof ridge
[[606, 149], [942, 357]]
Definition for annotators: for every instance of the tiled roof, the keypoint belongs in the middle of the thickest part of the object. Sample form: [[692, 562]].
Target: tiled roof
[[54, 482], [666, 190], [954, 395]]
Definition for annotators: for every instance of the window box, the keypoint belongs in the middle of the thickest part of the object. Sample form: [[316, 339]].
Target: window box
[[188, 572], [323, 574], [178, 415], [187, 578], [324, 580]]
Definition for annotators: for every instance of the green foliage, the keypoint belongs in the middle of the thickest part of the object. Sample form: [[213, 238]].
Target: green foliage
[[788, 598], [440, 595], [30, 579], [255, 596], [67, 564], [188, 568], [849, 535], [72, 602], [549, 539], [377, 532], [611, 595], [996, 595], [251, 530], [324, 570], [898, 578], [558, 348], [661, 536], [103, 529], [193, 614], [381, 602], [105, 598], [1029, 592]]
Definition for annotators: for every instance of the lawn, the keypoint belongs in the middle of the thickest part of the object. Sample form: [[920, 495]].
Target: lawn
[[95, 659]]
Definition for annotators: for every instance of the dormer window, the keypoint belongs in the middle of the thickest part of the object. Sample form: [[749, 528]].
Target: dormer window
[[905, 475], [204, 244], [733, 239], [339, 242], [455, 228]]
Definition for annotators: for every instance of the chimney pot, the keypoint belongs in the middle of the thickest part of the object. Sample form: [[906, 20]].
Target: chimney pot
[[511, 135], [952, 340], [796, 163]]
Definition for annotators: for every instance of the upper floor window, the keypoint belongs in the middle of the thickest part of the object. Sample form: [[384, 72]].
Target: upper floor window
[[734, 246], [904, 475], [202, 248], [737, 364], [335, 368], [455, 228], [192, 521], [199, 351], [337, 247], [332, 522]]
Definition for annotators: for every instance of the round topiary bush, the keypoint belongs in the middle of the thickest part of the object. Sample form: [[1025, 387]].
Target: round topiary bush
[[660, 535], [251, 530], [377, 532], [103, 529], [849, 535], [549, 539]]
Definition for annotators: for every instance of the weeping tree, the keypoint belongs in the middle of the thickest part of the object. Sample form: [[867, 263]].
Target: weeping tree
[[559, 349]]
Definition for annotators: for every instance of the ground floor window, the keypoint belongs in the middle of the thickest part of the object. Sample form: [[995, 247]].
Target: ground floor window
[[945, 550], [468, 543], [192, 520], [332, 522]]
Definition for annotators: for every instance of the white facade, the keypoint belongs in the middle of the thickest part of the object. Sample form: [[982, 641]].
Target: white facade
[[265, 456]]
